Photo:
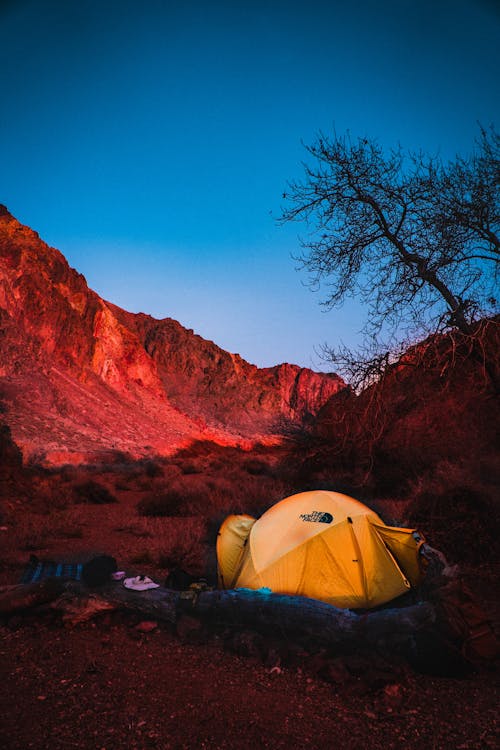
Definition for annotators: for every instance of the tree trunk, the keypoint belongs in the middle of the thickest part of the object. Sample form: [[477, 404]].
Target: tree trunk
[[299, 616], [26, 596], [287, 615]]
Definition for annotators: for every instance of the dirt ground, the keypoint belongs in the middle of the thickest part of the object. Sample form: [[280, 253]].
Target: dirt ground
[[106, 685]]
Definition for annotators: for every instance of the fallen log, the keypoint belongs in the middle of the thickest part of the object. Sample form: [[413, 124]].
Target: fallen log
[[79, 603], [441, 634], [28, 595], [297, 616], [290, 616]]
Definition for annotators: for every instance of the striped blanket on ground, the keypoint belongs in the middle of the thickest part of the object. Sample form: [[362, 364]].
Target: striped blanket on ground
[[37, 570]]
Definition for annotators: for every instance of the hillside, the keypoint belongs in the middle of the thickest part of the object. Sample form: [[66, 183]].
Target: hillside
[[83, 380], [426, 435]]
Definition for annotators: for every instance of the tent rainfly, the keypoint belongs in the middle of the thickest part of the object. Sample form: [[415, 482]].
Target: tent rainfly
[[323, 545]]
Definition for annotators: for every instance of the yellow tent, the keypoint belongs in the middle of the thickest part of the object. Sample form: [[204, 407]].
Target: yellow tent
[[323, 545]]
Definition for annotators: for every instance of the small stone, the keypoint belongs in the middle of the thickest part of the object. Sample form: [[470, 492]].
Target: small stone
[[190, 630], [393, 696], [146, 626]]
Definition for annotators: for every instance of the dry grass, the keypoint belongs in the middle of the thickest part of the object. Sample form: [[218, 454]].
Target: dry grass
[[167, 513], [93, 492], [458, 514], [393, 511], [39, 532], [209, 496], [171, 542]]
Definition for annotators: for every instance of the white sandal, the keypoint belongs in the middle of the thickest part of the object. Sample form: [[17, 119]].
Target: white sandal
[[140, 583]]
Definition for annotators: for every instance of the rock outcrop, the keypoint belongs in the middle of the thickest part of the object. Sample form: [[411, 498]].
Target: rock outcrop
[[80, 377]]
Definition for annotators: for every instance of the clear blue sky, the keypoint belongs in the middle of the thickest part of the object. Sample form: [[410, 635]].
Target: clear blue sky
[[151, 141]]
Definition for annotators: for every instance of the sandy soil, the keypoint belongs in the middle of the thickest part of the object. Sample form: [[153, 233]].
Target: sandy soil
[[107, 685]]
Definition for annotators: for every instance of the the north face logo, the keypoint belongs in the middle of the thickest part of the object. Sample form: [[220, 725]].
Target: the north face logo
[[317, 516]]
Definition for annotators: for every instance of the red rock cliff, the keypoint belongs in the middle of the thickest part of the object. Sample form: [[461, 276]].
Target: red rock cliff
[[98, 377]]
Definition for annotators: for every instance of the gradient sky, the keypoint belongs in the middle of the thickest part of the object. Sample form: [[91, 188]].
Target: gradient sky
[[151, 141]]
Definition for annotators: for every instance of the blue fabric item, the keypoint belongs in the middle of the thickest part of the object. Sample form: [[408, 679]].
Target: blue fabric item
[[36, 570]]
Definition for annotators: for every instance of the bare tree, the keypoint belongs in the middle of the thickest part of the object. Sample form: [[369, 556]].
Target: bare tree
[[415, 239]]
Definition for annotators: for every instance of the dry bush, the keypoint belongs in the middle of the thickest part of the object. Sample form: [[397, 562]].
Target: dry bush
[[191, 467], [393, 511], [203, 457], [69, 531], [190, 496], [122, 486], [93, 493], [35, 536], [143, 557], [184, 545], [206, 496], [40, 532], [69, 523], [134, 529], [197, 506], [169, 503], [151, 468], [257, 467], [45, 493], [457, 514], [172, 542]]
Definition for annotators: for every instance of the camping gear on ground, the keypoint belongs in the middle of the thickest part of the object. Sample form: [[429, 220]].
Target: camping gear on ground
[[98, 570], [140, 583], [464, 621], [323, 545], [38, 570], [180, 580]]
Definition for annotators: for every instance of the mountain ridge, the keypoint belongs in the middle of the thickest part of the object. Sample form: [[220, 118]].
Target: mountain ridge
[[80, 376]]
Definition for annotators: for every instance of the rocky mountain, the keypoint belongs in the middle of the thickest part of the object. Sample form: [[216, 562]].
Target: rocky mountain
[[82, 379], [435, 412]]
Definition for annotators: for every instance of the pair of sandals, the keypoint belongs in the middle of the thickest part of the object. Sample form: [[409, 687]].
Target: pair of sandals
[[140, 583]]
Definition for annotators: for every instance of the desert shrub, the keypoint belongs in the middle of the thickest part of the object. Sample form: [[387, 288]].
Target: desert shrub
[[152, 469], [167, 542], [46, 493], [456, 515], [172, 542], [69, 531], [253, 497], [122, 486], [134, 529], [34, 538], [93, 493], [393, 511], [257, 467], [169, 503], [40, 531], [186, 557], [183, 545], [191, 467], [393, 472], [191, 495], [212, 497], [143, 557]]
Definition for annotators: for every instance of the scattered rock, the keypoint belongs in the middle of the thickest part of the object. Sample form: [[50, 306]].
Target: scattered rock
[[190, 630], [248, 643], [146, 626], [393, 696]]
